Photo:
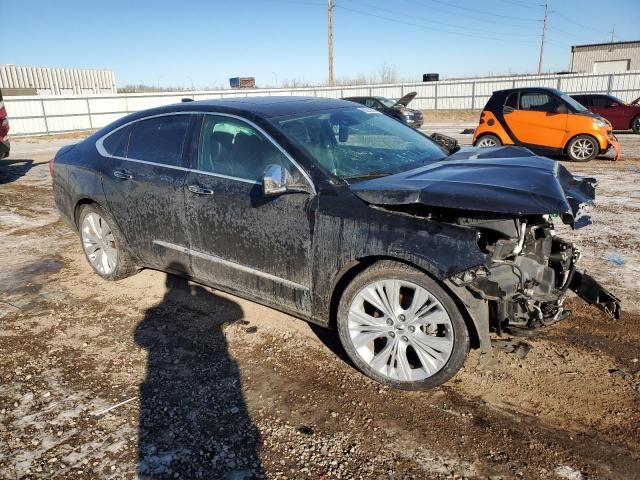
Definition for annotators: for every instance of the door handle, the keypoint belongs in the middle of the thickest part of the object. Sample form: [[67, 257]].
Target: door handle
[[199, 190], [122, 174]]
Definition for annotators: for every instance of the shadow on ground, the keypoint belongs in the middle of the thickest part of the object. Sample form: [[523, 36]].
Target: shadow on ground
[[11, 170], [193, 419]]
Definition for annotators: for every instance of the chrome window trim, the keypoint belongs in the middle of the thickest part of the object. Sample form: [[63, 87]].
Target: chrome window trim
[[228, 263], [104, 153]]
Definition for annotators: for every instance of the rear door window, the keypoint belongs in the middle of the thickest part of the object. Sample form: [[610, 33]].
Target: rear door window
[[159, 139], [116, 143], [586, 100], [601, 101]]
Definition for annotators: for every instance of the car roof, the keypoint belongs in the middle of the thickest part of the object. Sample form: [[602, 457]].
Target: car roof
[[262, 106], [520, 89]]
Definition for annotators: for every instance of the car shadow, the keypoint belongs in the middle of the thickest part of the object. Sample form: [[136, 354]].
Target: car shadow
[[329, 338], [194, 422], [12, 169]]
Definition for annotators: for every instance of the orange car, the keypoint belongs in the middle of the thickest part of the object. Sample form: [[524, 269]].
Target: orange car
[[547, 121]]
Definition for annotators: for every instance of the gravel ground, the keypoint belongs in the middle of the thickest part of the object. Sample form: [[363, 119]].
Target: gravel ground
[[157, 377]]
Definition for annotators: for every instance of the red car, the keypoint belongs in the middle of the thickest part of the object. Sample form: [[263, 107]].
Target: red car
[[623, 116], [4, 130]]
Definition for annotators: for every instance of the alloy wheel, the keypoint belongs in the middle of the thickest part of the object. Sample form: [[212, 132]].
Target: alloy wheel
[[582, 148], [400, 330], [99, 243], [487, 142]]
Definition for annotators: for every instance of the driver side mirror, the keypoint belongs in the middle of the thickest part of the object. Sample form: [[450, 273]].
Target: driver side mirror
[[612, 104], [275, 180], [278, 180]]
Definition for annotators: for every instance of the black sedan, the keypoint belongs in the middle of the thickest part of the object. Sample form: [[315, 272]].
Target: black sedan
[[338, 215], [399, 110]]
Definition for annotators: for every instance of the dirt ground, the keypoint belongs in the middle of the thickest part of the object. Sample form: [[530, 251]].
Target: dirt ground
[[156, 377]]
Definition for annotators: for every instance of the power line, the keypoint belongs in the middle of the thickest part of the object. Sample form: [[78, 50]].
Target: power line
[[437, 22], [571, 20], [428, 28], [480, 12], [458, 14], [520, 4]]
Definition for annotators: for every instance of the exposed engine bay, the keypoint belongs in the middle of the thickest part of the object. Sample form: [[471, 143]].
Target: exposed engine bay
[[527, 273]]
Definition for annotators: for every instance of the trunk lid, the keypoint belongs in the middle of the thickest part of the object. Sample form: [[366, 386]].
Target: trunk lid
[[504, 180]]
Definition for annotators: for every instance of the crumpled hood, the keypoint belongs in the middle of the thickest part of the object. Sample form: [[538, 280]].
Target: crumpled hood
[[503, 180]]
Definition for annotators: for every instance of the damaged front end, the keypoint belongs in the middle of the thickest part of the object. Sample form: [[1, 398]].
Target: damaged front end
[[509, 196], [527, 273]]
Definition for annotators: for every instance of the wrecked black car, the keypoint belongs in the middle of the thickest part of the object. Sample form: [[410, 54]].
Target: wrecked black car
[[399, 109], [338, 215]]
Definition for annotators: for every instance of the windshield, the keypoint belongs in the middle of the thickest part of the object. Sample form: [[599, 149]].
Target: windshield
[[386, 102], [359, 142], [577, 106]]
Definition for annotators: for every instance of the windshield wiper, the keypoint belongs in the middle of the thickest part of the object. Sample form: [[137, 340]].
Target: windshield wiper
[[374, 174]]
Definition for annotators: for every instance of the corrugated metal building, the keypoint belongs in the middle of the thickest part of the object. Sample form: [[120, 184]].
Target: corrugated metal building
[[17, 80], [606, 57]]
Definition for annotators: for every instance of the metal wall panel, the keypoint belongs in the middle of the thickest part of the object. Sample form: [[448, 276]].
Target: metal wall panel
[[26, 114], [58, 81]]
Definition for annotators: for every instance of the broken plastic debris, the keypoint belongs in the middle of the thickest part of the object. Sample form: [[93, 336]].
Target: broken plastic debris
[[615, 258]]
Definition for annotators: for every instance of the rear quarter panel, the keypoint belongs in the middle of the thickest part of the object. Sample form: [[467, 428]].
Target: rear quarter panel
[[75, 179]]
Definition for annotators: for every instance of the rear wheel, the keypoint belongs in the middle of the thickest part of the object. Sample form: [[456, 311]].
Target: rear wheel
[[488, 140], [583, 148], [103, 244], [400, 328], [635, 124]]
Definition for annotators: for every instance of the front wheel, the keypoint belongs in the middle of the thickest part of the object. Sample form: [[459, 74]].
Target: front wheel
[[635, 124], [488, 141], [400, 328], [583, 148]]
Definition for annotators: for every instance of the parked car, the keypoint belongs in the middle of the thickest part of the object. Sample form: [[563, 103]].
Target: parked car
[[623, 116], [338, 215], [5, 146], [547, 121], [398, 110]]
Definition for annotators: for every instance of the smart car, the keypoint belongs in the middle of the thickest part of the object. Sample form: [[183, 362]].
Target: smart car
[[547, 121], [339, 215]]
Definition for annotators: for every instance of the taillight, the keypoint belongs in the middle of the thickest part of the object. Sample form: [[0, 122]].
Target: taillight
[[51, 166]]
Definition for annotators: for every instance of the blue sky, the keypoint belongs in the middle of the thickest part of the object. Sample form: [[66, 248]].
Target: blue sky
[[175, 43]]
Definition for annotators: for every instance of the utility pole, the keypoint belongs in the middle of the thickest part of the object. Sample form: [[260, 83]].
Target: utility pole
[[330, 14], [613, 33], [544, 32]]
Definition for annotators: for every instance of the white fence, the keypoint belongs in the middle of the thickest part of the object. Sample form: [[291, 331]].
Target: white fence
[[43, 115]]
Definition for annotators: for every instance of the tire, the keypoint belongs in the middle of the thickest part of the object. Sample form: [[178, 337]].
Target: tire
[[583, 148], [103, 244], [400, 349], [635, 124], [487, 140]]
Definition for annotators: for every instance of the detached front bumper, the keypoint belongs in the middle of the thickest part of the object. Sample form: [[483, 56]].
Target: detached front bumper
[[590, 290], [5, 147], [614, 148], [611, 147]]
